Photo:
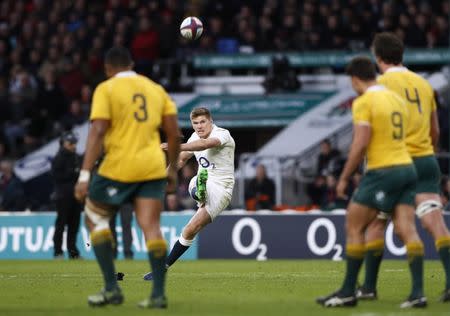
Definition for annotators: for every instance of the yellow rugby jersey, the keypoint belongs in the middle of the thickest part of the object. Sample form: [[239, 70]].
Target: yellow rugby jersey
[[387, 115], [135, 106], [421, 103]]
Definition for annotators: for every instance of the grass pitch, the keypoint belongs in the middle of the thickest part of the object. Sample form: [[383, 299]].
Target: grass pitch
[[208, 287]]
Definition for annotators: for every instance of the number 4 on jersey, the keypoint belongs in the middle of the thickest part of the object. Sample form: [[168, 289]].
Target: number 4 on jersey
[[415, 100]]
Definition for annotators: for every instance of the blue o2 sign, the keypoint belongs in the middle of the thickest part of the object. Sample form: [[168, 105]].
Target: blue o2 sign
[[290, 236], [30, 236]]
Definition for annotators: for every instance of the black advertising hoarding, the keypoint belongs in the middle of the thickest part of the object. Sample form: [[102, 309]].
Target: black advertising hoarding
[[290, 236]]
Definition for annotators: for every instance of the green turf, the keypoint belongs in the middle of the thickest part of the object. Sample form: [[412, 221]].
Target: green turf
[[208, 287]]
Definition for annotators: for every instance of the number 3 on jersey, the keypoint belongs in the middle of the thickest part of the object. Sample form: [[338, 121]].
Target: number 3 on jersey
[[141, 114]]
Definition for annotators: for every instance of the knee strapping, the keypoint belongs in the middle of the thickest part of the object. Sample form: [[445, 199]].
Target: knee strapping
[[383, 216], [100, 222], [427, 206]]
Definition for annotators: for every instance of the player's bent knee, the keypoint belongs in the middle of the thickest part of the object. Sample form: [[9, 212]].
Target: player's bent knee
[[427, 207], [98, 217]]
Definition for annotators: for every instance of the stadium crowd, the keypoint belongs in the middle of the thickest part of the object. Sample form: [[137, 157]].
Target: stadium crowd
[[51, 52]]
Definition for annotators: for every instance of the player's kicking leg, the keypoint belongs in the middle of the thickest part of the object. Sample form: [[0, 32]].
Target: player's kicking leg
[[197, 222], [200, 219], [148, 217], [97, 220]]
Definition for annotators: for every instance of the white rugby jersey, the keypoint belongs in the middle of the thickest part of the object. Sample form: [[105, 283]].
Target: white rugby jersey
[[218, 160]]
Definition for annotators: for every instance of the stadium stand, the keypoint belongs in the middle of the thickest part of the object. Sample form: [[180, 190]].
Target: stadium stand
[[51, 52]]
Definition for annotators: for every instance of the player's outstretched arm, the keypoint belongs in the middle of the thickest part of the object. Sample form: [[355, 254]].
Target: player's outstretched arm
[[201, 144], [184, 157]]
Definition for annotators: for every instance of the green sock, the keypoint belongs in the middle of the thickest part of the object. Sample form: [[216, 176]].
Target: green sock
[[355, 257], [374, 255], [102, 245], [415, 258], [443, 248], [157, 252]]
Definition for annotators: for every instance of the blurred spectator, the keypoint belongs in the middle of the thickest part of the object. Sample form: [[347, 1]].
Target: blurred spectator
[[85, 99], [50, 100], [331, 201], [317, 191], [71, 79], [260, 191], [329, 160], [281, 77], [12, 193], [171, 203], [126, 218], [145, 45], [74, 117]]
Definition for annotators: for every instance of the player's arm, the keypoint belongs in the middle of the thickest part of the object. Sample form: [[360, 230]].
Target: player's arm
[[361, 138], [434, 130], [201, 144], [170, 128], [184, 157]]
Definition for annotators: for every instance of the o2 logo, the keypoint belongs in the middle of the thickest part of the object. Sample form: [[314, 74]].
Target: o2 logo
[[390, 244], [331, 242], [202, 161], [255, 243], [331, 245]]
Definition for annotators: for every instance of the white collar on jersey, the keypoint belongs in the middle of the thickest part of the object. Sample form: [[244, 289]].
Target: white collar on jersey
[[127, 73], [396, 69], [377, 87]]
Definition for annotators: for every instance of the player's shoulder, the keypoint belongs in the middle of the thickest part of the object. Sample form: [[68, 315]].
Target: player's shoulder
[[360, 100], [102, 86], [220, 131]]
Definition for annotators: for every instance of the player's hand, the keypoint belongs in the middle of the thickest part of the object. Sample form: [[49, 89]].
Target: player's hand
[[164, 146], [341, 188], [81, 189], [171, 180]]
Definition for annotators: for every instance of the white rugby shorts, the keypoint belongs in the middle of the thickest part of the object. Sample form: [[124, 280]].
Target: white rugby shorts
[[218, 194]]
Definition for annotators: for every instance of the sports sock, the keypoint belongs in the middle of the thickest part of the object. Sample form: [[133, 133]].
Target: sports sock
[[355, 257], [415, 258], [443, 248], [178, 250], [157, 251], [102, 241], [373, 257]]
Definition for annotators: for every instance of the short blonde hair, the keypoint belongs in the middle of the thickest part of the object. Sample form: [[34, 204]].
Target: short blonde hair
[[200, 111]]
